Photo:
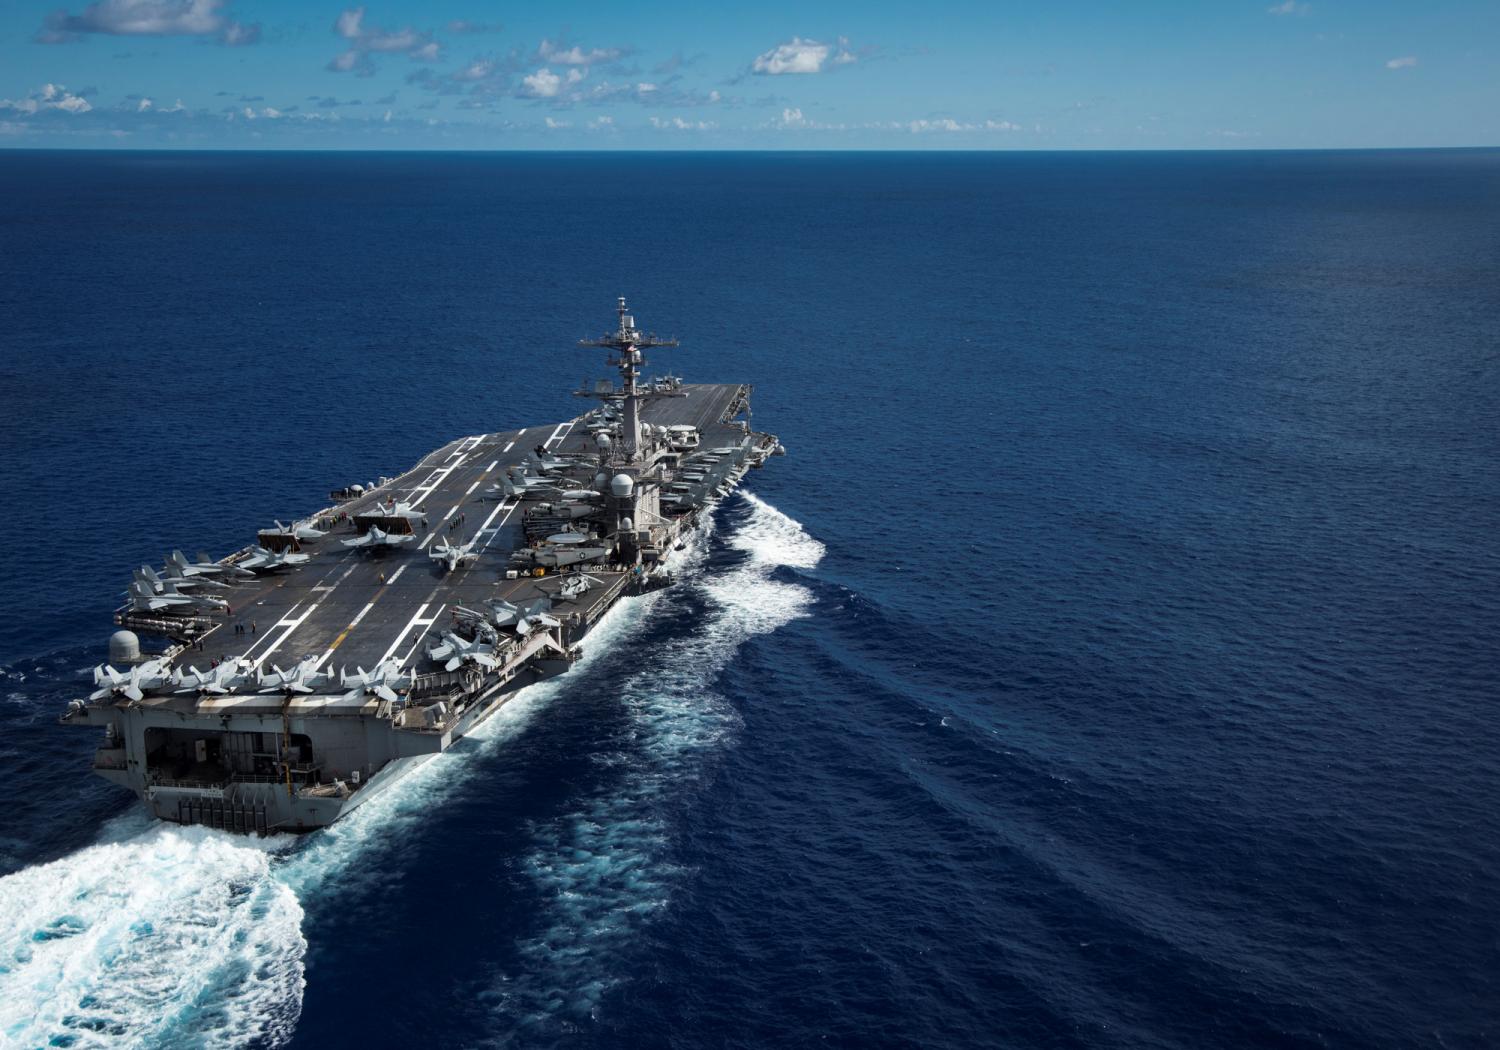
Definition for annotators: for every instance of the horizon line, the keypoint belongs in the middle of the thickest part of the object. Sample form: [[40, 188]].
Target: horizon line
[[22, 148]]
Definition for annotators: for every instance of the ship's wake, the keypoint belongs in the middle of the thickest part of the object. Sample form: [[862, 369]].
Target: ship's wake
[[159, 935], [604, 868], [155, 936]]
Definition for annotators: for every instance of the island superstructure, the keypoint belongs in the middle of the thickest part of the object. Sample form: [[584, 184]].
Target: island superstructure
[[304, 673]]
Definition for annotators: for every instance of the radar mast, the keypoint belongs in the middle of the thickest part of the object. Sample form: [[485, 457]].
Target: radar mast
[[625, 345]]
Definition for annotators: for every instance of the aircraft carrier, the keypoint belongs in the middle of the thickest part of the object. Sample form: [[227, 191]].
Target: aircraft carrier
[[306, 672]]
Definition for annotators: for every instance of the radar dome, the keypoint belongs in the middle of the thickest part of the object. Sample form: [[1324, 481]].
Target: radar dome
[[124, 647], [622, 485]]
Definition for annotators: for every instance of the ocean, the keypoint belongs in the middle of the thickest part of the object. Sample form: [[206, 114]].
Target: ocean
[[1112, 662]]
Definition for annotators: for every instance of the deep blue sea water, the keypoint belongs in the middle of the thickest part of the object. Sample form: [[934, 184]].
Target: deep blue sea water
[[1111, 663]]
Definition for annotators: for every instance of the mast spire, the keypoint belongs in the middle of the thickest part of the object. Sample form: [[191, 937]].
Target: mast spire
[[625, 346]]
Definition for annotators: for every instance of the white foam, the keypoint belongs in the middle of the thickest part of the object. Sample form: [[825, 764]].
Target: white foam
[[177, 936], [603, 869]]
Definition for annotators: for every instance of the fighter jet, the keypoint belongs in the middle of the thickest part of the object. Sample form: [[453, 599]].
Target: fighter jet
[[500, 612], [454, 556], [263, 560], [153, 674], [524, 618], [525, 487], [457, 651], [225, 678], [300, 679], [383, 681], [378, 539], [575, 586], [299, 530], [545, 464], [534, 614], [179, 566], [399, 510], [147, 575], [144, 599]]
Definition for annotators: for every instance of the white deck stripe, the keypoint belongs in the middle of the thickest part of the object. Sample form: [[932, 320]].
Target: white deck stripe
[[426, 626], [397, 640], [286, 634], [497, 528], [266, 636]]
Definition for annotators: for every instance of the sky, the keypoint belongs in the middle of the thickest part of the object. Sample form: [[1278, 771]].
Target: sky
[[475, 74]]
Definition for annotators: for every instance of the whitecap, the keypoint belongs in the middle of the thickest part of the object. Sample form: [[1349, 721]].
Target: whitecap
[[175, 936]]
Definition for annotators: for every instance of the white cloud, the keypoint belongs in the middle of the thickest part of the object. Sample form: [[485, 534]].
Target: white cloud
[[460, 25], [149, 18], [542, 84], [1404, 62], [48, 96], [601, 123], [801, 56], [678, 124], [556, 54], [554, 124], [792, 118], [479, 69], [1288, 7], [365, 41], [1001, 125], [917, 127], [143, 105]]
